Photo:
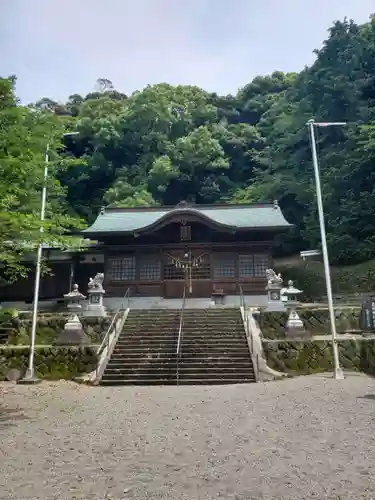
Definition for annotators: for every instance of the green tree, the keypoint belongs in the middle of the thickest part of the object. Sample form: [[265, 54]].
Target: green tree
[[24, 133]]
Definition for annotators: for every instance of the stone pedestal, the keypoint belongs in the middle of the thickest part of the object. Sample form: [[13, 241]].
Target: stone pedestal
[[73, 333], [273, 288], [294, 326], [275, 302], [95, 307], [95, 292]]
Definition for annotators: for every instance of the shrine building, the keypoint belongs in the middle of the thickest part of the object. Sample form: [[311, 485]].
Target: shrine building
[[162, 251]]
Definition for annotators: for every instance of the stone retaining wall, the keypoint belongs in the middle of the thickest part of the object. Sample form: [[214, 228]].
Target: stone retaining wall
[[305, 357], [52, 363], [50, 326], [316, 321]]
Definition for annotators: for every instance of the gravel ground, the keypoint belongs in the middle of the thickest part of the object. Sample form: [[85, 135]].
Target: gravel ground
[[304, 438]]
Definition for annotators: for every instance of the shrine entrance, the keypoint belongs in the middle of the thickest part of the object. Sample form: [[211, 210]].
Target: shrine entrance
[[188, 269]]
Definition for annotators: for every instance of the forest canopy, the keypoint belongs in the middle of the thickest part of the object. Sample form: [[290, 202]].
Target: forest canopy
[[165, 144]]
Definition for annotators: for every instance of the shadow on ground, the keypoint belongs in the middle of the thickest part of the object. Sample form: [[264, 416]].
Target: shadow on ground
[[10, 416], [367, 396]]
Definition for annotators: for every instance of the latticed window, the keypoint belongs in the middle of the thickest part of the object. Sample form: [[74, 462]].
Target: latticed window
[[261, 264], [224, 266], [252, 265], [246, 266], [149, 267], [122, 268]]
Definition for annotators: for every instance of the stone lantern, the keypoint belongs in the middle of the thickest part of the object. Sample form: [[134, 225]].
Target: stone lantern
[[294, 325], [95, 291], [73, 332], [74, 299]]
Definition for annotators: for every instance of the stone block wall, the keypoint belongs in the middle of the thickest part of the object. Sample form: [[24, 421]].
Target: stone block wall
[[316, 321], [50, 326], [51, 363], [306, 357]]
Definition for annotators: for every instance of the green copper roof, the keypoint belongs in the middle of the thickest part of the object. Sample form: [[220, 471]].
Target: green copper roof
[[124, 220]]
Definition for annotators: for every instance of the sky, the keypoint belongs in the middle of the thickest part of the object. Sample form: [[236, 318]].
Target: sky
[[61, 47]]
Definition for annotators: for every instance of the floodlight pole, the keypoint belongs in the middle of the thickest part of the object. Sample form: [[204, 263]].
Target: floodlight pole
[[30, 377], [337, 373]]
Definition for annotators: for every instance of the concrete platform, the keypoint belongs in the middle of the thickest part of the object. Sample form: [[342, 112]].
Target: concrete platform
[[112, 303]]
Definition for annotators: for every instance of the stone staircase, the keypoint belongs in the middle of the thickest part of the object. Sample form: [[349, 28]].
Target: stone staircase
[[213, 351], [145, 352], [4, 335], [214, 348], [6, 329]]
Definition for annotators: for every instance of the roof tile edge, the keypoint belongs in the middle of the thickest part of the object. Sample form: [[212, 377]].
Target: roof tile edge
[[188, 207]]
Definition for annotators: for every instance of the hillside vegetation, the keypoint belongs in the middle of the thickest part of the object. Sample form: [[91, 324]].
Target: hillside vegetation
[[346, 280], [164, 144]]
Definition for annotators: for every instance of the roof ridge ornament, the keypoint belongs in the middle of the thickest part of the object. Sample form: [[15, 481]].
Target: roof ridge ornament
[[183, 204]]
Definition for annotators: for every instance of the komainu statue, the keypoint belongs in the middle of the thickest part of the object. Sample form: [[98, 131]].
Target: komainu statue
[[96, 283], [273, 278]]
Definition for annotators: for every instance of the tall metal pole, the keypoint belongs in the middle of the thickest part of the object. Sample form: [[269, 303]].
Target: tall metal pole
[[338, 373], [30, 373]]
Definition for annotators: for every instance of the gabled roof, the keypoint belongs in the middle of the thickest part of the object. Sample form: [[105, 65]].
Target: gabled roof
[[225, 217]]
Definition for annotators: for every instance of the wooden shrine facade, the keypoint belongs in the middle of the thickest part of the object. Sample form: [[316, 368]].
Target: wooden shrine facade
[[162, 251]]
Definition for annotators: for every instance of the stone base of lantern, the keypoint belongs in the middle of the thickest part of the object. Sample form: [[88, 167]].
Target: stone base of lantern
[[73, 333], [295, 328]]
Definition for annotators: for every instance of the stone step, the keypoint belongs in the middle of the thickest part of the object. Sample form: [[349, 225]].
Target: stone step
[[121, 355], [135, 382], [198, 356], [214, 358], [145, 353], [216, 381], [222, 343], [184, 349], [167, 363], [183, 381], [116, 365], [184, 355], [146, 340], [144, 328], [186, 340], [139, 374], [167, 371], [163, 375], [219, 338]]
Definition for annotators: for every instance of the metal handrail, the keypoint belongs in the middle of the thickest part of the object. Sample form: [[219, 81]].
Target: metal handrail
[[246, 319], [105, 341], [180, 336]]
